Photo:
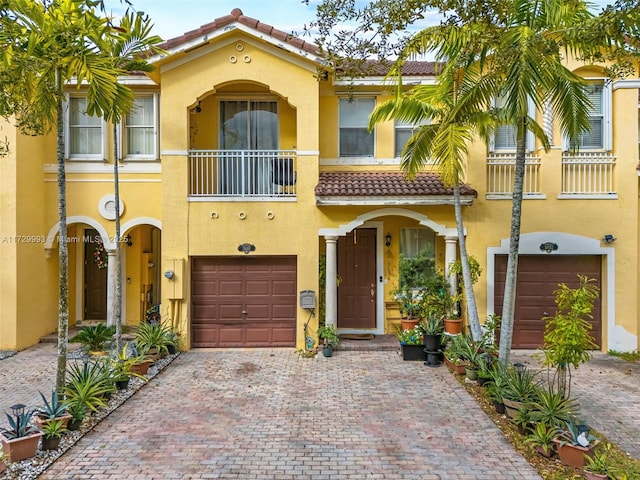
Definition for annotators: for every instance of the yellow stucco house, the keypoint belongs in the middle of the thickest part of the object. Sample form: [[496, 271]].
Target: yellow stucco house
[[245, 162]]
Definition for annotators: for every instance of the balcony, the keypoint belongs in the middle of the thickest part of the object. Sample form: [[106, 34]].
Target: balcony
[[501, 168], [233, 175], [588, 175]]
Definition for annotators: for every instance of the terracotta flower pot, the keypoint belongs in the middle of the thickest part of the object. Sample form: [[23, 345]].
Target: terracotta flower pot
[[40, 422], [21, 448], [594, 476], [408, 324], [573, 455], [453, 325]]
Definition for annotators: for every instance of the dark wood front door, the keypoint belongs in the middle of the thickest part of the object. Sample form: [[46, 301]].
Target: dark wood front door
[[95, 278], [357, 271], [538, 277]]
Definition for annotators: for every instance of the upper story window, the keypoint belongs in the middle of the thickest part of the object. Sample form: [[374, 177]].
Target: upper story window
[[140, 129], [85, 134], [600, 136], [355, 138], [505, 136], [404, 131]]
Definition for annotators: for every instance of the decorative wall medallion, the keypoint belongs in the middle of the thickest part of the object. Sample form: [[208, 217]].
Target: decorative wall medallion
[[107, 207]]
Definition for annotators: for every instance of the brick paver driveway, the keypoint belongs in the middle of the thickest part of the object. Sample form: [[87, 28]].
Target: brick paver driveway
[[268, 414]]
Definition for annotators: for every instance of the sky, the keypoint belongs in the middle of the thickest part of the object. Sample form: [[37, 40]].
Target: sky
[[172, 18]]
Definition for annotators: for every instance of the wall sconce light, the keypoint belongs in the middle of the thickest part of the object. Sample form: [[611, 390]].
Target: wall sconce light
[[246, 248], [127, 239], [387, 239], [151, 265], [548, 247], [609, 238]]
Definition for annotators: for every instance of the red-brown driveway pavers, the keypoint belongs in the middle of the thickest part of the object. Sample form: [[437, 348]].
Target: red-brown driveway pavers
[[268, 414]]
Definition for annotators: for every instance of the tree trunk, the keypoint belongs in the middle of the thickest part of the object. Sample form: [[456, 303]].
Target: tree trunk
[[63, 254], [509, 301], [117, 270], [470, 297]]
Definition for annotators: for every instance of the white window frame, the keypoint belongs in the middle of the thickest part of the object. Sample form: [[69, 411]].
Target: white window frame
[[607, 115], [531, 139], [404, 127], [366, 126], [122, 133], [67, 135]]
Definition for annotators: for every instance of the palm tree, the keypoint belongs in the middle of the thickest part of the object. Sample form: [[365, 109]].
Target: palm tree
[[134, 38], [452, 109], [47, 46]]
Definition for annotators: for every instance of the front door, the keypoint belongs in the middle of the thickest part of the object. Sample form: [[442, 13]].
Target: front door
[[357, 272], [95, 277]]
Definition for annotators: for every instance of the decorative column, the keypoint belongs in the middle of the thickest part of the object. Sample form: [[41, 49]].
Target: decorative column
[[331, 287], [111, 286], [450, 255]]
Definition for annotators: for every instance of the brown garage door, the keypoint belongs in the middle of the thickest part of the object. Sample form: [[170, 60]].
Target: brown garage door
[[538, 278], [243, 301]]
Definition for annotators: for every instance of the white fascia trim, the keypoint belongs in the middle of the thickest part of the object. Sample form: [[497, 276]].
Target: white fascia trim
[[308, 153], [628, 83], [584, 196], [396, 200], [381, 81], [123, 79], [174, 153], [107, 168], [204, 45], [351, 161]]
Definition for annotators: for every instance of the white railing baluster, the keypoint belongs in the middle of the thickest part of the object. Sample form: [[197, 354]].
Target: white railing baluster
[[501, 173], [588, 173], [243, 173]]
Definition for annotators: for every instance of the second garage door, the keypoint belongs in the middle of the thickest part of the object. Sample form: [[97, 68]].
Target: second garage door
[[243, 301], [538, 278]]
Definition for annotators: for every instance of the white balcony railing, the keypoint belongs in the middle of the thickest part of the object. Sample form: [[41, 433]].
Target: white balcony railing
[[501, 169], [589, 174], [242, 173]]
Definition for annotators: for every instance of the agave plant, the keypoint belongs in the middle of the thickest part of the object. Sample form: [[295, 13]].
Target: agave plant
[[19, 424], [51, 408], [553, 408], [88, 383]]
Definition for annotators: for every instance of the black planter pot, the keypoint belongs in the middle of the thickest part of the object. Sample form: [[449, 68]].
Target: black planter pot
[[499, 407], [50, 443], [432, 343], [327, 350], [171, 349], [74, 424], [122, 384], [434, 358]]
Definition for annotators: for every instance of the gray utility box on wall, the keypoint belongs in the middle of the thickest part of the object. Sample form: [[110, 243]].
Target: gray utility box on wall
[[307, 299]]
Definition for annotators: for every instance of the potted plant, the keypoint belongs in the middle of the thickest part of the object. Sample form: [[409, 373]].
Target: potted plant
[[52, 433], [523, 421], [95, 339], [154, 339], [408, 300], [567, 341], [598, 466], [20, 440], [88, 383], [328, 335], [78, 411], [521, 388], [553, 408], [574, 443], [412, 343], [454, 362], [50, 410], [123, 366], [432, 328], [541, 437]]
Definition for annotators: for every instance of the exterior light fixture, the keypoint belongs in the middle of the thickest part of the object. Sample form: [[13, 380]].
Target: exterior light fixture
[[247, 248], [609, 238], [387, 239], [548, 247]]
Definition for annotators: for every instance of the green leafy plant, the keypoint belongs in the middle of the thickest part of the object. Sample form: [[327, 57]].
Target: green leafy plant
[[523, 420], [19, 425], [599, 461], [575, 433], [328, 335], [411, 336], [628, 356], [521, 384], [409, 301], [553, 408], [76, 409], [542, 436], [567, 341], [54, 429], [89, 383], [432, 325], [122, 363], [416, 272], [95, 338], [51, 408], [149, 335]]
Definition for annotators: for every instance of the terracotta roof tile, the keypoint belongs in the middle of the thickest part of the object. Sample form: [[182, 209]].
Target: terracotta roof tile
[[383, 184], [236, 15]]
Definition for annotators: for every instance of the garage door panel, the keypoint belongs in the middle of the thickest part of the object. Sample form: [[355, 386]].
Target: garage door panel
[[263, 287], [538, 279]]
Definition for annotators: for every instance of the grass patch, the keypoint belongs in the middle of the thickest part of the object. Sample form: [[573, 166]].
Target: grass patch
[[628, 356]]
